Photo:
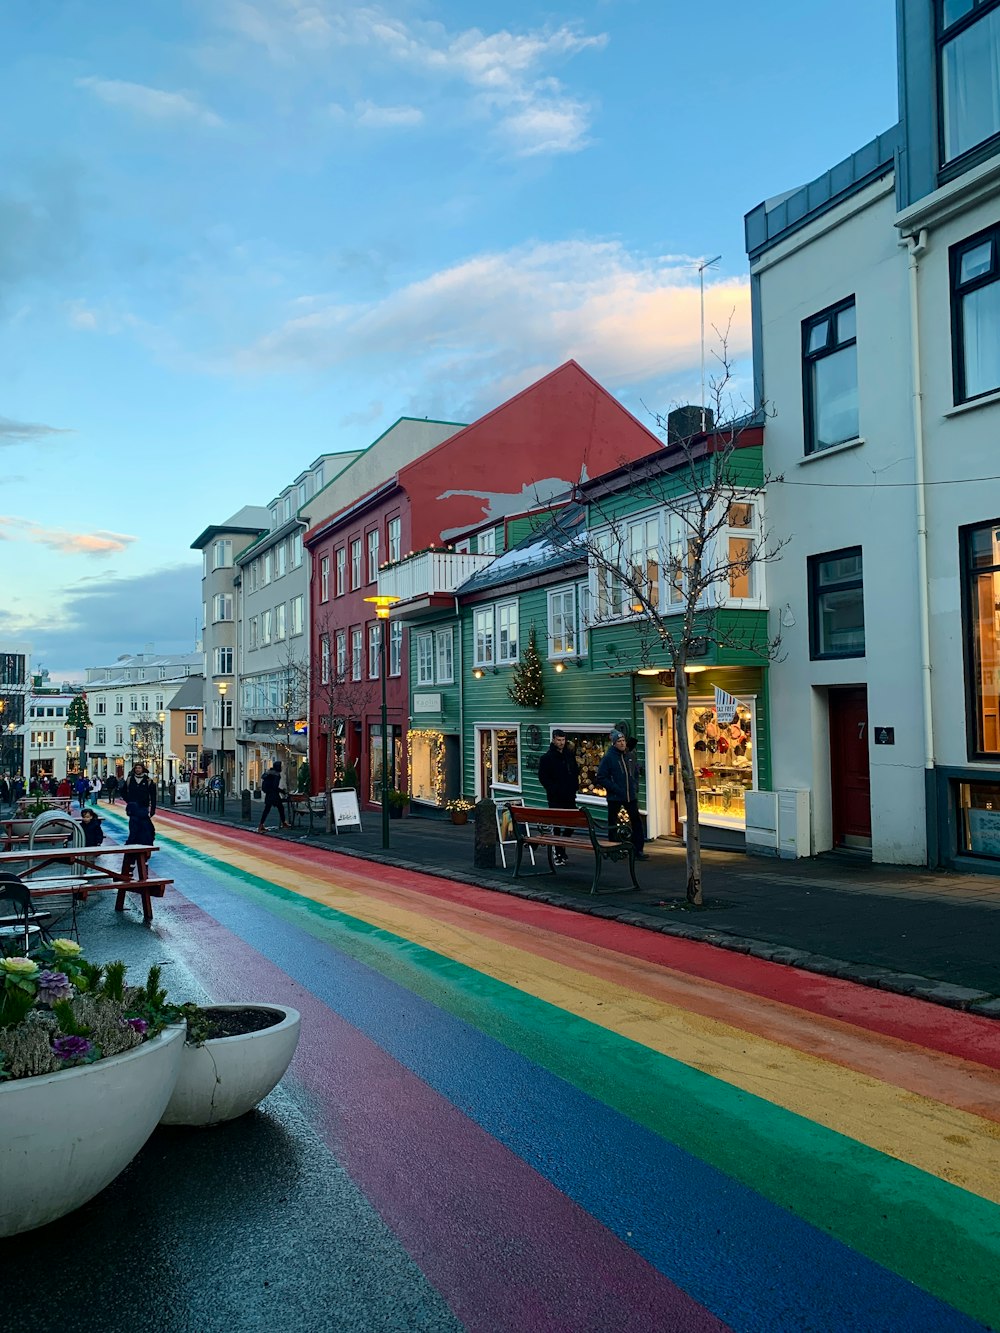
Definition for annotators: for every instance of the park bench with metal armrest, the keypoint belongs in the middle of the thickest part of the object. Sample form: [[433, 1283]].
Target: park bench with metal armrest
[[604, 849]]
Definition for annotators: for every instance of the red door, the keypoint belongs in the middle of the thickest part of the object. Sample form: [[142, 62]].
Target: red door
[[852, 807]]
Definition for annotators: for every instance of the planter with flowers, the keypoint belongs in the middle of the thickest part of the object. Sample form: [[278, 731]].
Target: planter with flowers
[[87, 1066], [458, 807]]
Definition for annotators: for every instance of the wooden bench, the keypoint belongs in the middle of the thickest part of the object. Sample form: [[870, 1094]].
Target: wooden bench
[[604, 849]]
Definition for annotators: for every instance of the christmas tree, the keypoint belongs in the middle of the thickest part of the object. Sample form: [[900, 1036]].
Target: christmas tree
[[526, 689]]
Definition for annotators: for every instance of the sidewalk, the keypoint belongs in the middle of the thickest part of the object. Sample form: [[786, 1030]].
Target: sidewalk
[[929, 934]]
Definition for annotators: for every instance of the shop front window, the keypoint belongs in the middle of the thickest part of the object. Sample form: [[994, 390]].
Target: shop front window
[[375, 765], [722, 750], [979, 818], [589, 747], [982, 564], [427, 766], [499, 759]]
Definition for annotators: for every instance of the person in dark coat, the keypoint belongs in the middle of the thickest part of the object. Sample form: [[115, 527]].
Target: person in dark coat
[[93, 834], [140, 832], [270, 785], [4, 792], [111, 787], [139, 790], [614, 775], [559, 774]]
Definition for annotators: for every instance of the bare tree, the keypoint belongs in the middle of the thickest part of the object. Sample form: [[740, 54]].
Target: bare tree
[[293, 700], [673, 587], [339, 694]]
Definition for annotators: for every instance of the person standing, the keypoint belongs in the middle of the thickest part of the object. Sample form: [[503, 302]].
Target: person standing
[[138, 789], [560, 776], [622, 791], [270, 785], [111, 787]]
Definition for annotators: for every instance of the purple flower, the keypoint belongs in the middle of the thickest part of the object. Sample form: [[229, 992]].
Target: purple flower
[[137, 1025], [72, 1048], [54, 986]]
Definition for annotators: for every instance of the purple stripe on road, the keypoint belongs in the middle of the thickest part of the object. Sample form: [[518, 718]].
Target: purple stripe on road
[[502, 1245]]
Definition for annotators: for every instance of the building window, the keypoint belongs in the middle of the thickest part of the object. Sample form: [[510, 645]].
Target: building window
[[268, 567], [143, 703], [395, 539], [562, 623], [158, 703], [499, 759], [223, 662], [280, 560], [424, 644], [324, 659], [252, 576], [341, 654], [222, 555], [742, 537], [356, 563], [975, 311], [969, 55], [979, 819], [119, 732], [341, 569], [981, 550], [507, 637], [395, 648], [444, 653], [119, 704], [190, 724], [830, 377], [374, 651], [644, 562], [133, 703], [100, 705], [356, 653], [486, 542], [297, 612], [252, 632], [265, 627], [101, 735], [279, 621], [483, 637], [222, 606], [836, 605], [324, 579], [373, 556], [297, 550]]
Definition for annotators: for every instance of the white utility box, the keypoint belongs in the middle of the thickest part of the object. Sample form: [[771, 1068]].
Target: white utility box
[[778, 823], [762, 822]]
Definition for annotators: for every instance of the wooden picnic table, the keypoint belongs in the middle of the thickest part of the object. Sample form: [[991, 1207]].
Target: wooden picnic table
[[92, 872], [52, 802]]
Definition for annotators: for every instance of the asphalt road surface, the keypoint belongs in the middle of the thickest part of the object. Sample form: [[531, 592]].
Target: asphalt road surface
[[504, 1116]]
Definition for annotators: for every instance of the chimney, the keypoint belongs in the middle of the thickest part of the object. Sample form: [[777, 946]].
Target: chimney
[[685, 422]]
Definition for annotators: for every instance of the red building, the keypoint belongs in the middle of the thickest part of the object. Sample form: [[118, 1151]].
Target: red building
[[563, 429]]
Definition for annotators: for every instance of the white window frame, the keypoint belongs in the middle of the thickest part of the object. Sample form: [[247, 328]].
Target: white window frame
[[222, 607], [324, 578], [374, 650], [265, 627], [341, 642], [190, 724], [222, 554], [569, 591], [341, 569], [372, 542], [423, 651], [509, 609], [486, 542], [356, 569], [298, 612], [280, 622], [755, 573], [357, 653], [251, 633], [220, 668], [395, 648], [444, 645], [324, 659], [100, 735], [297, 551], [100, 705], [483, 639], [394, 531], [493, 728], [268, 567], [280, 560]]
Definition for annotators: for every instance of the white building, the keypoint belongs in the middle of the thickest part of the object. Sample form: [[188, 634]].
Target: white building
[[876, 304], [125, 701]]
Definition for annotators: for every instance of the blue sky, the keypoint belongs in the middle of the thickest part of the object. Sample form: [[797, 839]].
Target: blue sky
[[235, 234]]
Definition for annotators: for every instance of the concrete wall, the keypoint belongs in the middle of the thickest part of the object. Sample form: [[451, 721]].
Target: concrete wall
[[854, 496]]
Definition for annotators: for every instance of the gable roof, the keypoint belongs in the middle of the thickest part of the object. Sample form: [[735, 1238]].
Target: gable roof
[[555, 545]]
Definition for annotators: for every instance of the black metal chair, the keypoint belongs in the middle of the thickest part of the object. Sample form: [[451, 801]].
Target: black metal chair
[[23, 921]]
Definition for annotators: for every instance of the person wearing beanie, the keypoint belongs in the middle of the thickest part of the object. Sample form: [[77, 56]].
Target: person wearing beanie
[[616, 776], [559, 774], [270, 785]]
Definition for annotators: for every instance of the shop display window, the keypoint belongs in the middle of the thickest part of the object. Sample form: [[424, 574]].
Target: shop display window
[[499, 758], [589, 747], [979, 818], [427, 766], [723, 761]]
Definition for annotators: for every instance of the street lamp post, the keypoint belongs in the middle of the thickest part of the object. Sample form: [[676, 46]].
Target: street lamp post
[[14, 769], [162, 720], [223, 687], [131, 732], [382, 605]]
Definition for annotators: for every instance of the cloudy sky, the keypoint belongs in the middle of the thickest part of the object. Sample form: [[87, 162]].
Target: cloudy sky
[[235, 234]]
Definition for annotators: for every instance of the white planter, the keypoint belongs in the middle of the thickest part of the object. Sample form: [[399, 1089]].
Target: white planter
[[228, 1076], [64, 1136]]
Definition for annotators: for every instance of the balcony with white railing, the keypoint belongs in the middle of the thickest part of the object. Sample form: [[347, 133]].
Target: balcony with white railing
[[429, 573]]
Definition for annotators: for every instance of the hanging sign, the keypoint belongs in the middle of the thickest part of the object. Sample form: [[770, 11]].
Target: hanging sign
[[725, 706], [346, 812]]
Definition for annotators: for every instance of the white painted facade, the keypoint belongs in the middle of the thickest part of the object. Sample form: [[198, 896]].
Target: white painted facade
[[125, 700]]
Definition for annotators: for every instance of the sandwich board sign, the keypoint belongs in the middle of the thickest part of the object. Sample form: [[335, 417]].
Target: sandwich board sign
[[346, 813], [182, 793]]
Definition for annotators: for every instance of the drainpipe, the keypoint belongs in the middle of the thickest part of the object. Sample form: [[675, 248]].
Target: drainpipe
[[916, 245], [461, 705]]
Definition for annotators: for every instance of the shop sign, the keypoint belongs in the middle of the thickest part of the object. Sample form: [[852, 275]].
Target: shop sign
[[346, 813], [984, 832], [427, 703], [885, 735], [182, 793]]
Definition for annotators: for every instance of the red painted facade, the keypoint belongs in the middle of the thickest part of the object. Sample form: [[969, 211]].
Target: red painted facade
[[563, 429]]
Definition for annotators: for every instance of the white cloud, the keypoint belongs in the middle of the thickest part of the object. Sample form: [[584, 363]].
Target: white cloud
[[387, 117], [500, 318], [152, 103], [100, 542]]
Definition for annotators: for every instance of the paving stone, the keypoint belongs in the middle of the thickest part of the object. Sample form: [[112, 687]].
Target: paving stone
[[987, 1008]]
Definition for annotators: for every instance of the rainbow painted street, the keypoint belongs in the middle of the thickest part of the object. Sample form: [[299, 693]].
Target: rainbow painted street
[[571, 1124]]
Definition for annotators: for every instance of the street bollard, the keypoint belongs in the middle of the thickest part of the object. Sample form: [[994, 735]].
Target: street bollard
[[485, 854], [245, 811]]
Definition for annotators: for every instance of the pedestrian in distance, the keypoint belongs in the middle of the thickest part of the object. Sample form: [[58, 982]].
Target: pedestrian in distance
[[95, 790], [559, 774], [82, 791], [111, 787], [4, 792], [139, 790], [270, 785], [141, 832], [64, 790], [622, 792]]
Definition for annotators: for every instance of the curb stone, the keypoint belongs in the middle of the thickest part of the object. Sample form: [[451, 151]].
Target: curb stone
[[918, 987]]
